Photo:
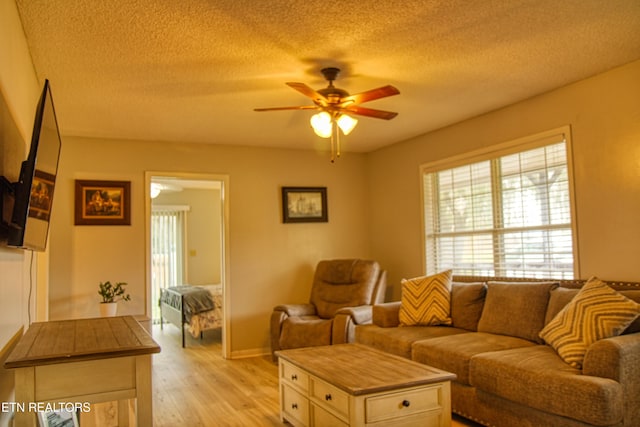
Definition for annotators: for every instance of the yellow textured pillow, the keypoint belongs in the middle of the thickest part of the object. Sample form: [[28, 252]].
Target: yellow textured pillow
[[426, 300], [595, 313]]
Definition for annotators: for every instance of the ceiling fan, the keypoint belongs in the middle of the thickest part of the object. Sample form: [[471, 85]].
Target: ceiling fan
[[336, 104]]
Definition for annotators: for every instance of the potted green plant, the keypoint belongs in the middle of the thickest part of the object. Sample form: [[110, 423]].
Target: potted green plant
[[111, 294]]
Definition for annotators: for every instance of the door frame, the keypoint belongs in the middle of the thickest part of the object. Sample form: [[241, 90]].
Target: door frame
[[225, 266]]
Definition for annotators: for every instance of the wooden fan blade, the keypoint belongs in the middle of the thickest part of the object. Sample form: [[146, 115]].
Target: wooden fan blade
[[370, 112], [302, 107], [309, 92], [370, 95]]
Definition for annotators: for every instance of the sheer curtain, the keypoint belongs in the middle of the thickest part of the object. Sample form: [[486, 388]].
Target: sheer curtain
[[168, 224]]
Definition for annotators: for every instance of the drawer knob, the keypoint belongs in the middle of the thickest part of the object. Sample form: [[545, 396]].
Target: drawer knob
[[327, 397], [294, 406], [294, 377], [406, 403]]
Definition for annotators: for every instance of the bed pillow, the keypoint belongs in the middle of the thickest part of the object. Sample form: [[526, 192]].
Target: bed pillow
[[426, 300], [595, 313]]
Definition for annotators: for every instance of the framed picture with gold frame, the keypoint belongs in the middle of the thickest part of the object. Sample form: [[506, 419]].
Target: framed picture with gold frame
[[304, 204], [103, 202]]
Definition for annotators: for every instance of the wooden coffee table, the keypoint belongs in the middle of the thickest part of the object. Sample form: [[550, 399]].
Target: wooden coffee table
[[355, 385]]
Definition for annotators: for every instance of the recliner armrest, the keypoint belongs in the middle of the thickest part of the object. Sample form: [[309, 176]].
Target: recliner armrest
[[345, 321], [361, 315], [297, 309]]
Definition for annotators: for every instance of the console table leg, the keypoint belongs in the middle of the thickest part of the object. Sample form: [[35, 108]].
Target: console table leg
[[144, 398], [25, 393]]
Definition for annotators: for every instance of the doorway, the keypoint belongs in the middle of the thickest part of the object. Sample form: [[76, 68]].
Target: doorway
[[192, 210]]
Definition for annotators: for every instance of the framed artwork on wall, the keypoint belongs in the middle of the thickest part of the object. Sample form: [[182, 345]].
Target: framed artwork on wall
[[103, 203], [304, 204]]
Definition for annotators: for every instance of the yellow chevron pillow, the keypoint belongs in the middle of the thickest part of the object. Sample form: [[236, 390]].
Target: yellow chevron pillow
[[426, 300], [596, 312]]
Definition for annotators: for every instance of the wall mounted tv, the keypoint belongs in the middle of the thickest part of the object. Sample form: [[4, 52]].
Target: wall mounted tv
[[30, 198]]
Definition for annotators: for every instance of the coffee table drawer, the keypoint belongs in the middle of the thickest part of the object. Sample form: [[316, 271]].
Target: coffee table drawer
[[322, 418], [403, 403], [295, 376], [330, 397], [295, 406]]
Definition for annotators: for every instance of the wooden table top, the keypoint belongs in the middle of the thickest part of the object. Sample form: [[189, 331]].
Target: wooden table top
[[358, 369], [64, 341]]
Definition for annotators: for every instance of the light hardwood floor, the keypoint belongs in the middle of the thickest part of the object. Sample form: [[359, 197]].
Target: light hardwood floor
[[195, 386]]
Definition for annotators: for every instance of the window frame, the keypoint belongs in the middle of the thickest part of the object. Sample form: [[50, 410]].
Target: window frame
[[495, 151]]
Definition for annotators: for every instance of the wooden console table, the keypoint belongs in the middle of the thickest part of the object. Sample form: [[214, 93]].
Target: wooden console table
[[85, 360], [354, 385]]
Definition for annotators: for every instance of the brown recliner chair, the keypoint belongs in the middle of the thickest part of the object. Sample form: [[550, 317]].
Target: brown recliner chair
[[342, 296]]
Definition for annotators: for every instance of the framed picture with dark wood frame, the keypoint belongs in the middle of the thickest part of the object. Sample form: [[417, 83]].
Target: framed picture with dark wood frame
[[304, 204], [103, 203]]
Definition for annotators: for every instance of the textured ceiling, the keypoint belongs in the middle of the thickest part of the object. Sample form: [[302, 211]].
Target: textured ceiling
[[193, 70]]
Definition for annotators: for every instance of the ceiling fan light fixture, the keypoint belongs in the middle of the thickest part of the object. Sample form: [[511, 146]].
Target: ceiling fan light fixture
[[333, 102], [322, 124], [346, 123]]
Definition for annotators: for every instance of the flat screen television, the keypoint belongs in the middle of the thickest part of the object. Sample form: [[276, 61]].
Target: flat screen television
[[34, 190]]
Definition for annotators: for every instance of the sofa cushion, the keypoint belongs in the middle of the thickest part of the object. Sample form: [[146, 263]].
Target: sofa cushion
[[426, 300], [467, 300], [453, 353], [596, 312], [398, 340], [558, 299], [536, 377], [635, 325], [516, 309]]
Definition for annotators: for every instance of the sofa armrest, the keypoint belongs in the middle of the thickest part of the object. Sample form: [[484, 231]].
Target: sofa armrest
[[297, 309], [612, 357], [386, 315], [618, 358]]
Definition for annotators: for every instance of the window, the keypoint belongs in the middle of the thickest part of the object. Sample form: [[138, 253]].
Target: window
[[503, 213]]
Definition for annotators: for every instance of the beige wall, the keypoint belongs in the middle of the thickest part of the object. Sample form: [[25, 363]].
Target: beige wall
[[204, 232], [19, 91], [604, 115], [271, 262]]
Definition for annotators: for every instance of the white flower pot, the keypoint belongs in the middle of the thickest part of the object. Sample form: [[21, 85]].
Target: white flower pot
[[108, 309]]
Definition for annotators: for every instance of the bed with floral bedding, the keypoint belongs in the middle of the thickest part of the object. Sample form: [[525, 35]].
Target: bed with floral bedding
[[199, 308]]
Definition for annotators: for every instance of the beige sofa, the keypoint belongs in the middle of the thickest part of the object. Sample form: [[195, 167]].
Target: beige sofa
[[506, 374]]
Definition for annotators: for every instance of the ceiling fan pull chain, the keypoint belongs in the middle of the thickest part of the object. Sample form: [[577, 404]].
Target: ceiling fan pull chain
[[337, 140], [333, 159]]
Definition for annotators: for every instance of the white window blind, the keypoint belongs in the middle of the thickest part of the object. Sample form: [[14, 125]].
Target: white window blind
[[168, 225], [507, 215]]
